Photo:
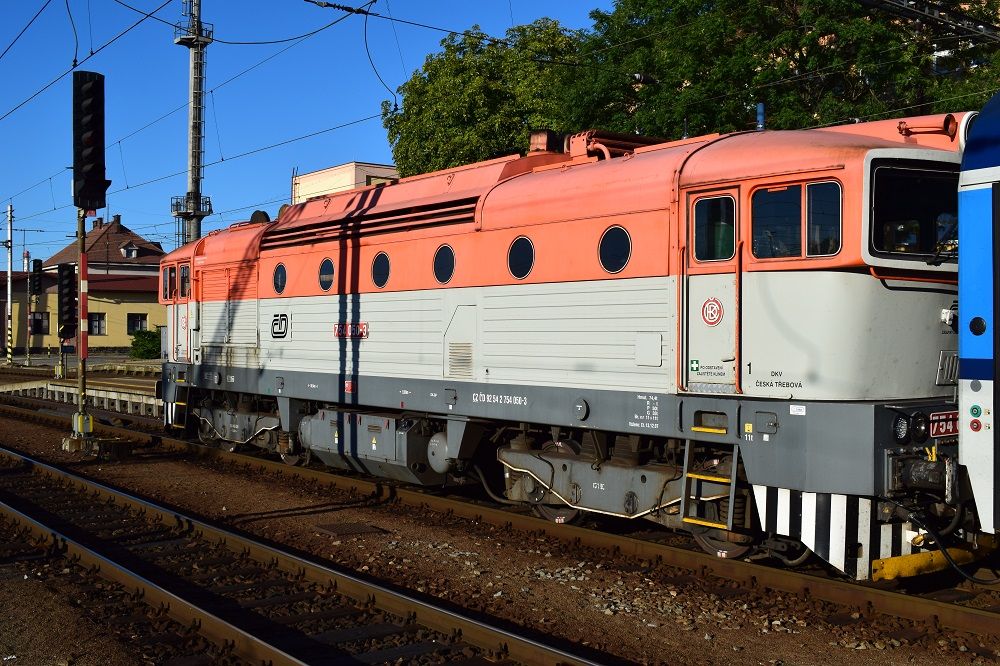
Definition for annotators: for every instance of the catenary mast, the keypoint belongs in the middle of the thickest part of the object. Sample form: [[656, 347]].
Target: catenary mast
[[192, 208]]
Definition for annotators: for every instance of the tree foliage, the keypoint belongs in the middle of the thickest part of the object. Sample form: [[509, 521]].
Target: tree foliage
[[479, 97], [686, 67]]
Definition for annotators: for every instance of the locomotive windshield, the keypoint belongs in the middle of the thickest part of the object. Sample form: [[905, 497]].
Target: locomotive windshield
[[914, 210]]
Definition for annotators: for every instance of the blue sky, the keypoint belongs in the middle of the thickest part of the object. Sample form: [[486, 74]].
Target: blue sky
[[320, 83]]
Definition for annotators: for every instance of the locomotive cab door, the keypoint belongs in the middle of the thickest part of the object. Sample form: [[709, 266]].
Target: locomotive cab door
[[180, 348], [710, 292]]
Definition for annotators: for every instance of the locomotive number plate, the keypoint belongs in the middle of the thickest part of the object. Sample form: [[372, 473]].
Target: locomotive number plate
[[944, 424]]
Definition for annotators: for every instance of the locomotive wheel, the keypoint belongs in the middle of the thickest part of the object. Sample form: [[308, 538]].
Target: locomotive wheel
[[302, 458], [714, 542], [558, 512], [206, 433]]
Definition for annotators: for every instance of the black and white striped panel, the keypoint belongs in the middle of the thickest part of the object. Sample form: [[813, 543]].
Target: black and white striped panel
[[841, 529]]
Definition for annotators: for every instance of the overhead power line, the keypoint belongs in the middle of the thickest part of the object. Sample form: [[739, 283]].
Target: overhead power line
[[25, 29], [255, 42], [939, 15], [68, 71], [246, 153]]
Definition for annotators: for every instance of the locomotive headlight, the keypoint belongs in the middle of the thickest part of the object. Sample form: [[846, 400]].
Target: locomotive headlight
[[901, 429], [919, 427]]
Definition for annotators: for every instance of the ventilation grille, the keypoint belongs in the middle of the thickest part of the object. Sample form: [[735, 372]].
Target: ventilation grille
[[947, 372], [460, 360], [407, 218]]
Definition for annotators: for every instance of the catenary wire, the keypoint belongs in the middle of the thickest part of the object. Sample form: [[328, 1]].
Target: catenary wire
[[247, 153], [25, 29], [181, 106], [76, 38], [99, 49], [217, 40]]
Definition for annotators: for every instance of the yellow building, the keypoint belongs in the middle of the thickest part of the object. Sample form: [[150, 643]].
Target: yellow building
[[122, 286]]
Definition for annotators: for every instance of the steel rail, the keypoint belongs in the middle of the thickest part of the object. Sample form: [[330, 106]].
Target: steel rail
[[185, 613], [748, 574], [490, 637]]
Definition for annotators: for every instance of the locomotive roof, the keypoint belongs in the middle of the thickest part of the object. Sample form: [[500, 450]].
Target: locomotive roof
[[545, 186]]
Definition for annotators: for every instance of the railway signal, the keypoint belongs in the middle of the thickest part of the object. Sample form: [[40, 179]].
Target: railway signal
[[89, 185], [35, 281], [67, 301]]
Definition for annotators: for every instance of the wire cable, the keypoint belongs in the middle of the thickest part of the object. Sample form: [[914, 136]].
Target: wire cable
[[24, 29], [247, 153], [76, 39], [395, 100], [260, 42], [63, 75], [912, 515], [399, 49]]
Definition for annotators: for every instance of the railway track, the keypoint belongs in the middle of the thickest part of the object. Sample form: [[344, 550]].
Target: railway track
[[254, 603], [960, 611]]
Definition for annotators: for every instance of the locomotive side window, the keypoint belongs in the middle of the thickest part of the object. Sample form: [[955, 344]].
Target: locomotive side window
[[823, 230], [714, 228], [380, 269], [166, 283], [520, 257], [777, 222], [280, 278], [925, 220], [444, 264], [185, 281], [170, 285], [615, 249], [326, 274]]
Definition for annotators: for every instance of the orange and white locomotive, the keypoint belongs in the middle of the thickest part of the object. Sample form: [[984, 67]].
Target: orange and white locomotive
[[748, 336]]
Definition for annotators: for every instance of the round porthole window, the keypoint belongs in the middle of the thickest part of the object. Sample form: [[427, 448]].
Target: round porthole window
[[280, 278], [444, 264], [520, 257], [326, 274], [380, 269], [615, 250]]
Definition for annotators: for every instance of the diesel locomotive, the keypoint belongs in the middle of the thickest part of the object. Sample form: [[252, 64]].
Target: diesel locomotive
[[749, 336]]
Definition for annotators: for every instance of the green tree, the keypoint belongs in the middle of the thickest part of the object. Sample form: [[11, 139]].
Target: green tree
[[675, 67], [479, 97]]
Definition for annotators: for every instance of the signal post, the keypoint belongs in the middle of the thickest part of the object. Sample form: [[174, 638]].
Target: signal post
[[89, 193]]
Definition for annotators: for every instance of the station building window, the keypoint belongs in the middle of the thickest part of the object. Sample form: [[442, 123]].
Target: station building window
[[326, 274], [444, 264], [39, 323], [779, 225], [715, 229], [380, 269], [280, 278], [98, 323], [520, 257], [136, 321], [615, 249]]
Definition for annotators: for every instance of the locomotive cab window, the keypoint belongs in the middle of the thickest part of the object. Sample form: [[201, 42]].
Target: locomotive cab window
[[280, 278], [169, 283], [779, 226], [914, 210], [714, 229], [185, 281]]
